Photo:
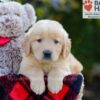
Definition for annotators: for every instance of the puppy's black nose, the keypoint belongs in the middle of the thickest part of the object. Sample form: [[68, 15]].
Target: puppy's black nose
[[47, 54]]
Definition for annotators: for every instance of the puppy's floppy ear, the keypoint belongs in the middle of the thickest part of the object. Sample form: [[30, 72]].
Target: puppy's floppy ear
[[26, 44], [66, 47]]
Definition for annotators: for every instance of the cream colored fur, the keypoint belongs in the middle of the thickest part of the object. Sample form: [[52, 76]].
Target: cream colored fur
[[62, 62]]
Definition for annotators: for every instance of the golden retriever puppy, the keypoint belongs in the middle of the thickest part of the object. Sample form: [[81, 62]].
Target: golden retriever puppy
[[47, 52]]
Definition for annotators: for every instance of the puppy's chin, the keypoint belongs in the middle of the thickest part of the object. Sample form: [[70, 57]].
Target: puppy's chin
[[44, 60]]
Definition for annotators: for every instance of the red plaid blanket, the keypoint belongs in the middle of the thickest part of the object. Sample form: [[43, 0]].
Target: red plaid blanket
[[17, 87]]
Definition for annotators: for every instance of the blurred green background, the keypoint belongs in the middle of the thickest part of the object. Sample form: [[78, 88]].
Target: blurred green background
[[84, 33]]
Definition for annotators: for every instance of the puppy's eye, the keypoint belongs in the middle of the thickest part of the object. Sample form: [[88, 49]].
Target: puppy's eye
[[56, 41], [39, 40]]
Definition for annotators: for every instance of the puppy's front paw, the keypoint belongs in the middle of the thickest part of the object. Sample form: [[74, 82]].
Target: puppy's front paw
[[38, 86], [55, 85]]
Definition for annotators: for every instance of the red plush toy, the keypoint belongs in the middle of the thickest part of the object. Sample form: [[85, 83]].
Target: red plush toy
[[17, 87]]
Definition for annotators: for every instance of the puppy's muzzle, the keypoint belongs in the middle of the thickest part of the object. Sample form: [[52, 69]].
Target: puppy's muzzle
[[47, 54]]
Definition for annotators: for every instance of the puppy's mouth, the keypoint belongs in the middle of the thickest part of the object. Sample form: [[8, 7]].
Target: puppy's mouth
[[46, 57]]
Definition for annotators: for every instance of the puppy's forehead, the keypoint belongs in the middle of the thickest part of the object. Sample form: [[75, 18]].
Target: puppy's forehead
[[48, 28], [50, 33]]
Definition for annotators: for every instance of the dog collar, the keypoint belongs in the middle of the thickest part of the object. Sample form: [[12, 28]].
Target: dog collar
[[4, 40]]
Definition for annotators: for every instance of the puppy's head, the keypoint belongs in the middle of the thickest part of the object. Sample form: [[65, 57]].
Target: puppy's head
[[47, 41]]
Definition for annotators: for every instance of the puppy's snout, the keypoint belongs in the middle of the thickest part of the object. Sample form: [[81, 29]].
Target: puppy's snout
[[47, 54]]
